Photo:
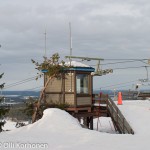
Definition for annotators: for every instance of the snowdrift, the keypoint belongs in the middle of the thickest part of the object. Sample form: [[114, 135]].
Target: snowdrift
[[55, 119], [60, 131]]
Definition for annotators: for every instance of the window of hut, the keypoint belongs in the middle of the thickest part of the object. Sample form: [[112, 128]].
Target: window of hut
[[82, 84]]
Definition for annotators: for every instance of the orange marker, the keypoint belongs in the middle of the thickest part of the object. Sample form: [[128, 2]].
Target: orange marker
[[119, 98]]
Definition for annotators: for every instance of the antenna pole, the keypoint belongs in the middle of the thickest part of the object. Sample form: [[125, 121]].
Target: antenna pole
[[70, 42], [146, 73], [45, 44]]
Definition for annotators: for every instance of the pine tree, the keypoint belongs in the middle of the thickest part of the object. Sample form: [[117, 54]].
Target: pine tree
[[29, 108], [52, 68], [3, 110]]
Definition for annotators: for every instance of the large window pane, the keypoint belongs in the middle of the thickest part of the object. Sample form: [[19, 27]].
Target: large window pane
[[82, 83]]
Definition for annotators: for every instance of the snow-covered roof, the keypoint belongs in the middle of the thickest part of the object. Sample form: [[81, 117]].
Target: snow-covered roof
[[76, 64]]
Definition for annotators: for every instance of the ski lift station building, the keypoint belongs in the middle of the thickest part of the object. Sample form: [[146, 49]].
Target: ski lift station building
[[74, 87]]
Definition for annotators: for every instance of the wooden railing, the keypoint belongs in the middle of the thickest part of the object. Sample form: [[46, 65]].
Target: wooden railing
[[120, 123], [118, 118]]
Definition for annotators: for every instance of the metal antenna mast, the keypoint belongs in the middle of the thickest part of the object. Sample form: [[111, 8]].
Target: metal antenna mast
[[146, 73], [45, 44], [70, 43]]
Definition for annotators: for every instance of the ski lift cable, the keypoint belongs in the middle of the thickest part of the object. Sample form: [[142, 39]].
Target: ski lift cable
[[126, 59], [20, 82], [130, 67], [114, 85], [120, 62], [134, 67], [123, 62], [38, 87]]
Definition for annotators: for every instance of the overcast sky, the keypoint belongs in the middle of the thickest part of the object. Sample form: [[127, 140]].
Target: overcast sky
[[109, 29]]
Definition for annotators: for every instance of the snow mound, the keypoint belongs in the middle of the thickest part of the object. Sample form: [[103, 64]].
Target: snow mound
[[76, 64], [55, 119]]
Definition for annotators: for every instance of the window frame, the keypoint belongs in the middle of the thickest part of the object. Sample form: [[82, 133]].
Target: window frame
[[88, 84]]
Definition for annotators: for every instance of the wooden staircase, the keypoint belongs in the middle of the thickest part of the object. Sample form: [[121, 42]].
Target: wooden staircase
[[105, 106]]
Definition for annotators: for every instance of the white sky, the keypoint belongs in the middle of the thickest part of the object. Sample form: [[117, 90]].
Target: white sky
[[100, 28]]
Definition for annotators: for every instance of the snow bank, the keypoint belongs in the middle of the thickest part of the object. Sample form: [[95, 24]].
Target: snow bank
[[60, 131], [55, 119]]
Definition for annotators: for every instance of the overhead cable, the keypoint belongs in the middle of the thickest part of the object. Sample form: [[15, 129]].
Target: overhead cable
[[20, 82], [114, 85]]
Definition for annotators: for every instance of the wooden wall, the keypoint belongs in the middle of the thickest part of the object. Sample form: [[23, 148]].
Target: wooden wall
[[64, 90], [55, 85], [83, 101], [61, 89], [69, 99], [69, 82], [54, 98]]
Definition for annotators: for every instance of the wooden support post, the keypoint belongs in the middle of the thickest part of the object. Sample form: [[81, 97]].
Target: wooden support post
[[87, 121], [93, 98], [91, 122]]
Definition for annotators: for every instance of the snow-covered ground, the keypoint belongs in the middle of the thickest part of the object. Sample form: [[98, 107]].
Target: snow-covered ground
[[57, 130], [137, 114], [11, 125], [104, 124]]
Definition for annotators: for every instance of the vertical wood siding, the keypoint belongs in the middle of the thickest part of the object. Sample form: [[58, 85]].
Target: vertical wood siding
[[54, 98], [84, 101], [69, 98], [69, 82], [55, 85]]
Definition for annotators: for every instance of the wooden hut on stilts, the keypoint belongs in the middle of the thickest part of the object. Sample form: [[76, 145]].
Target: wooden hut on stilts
[[74, 87]]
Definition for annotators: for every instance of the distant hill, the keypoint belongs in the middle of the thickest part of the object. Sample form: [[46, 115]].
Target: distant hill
[[22, 93], [37, 93], [109, 92]]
